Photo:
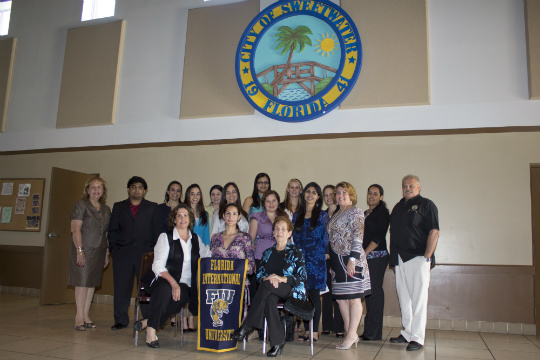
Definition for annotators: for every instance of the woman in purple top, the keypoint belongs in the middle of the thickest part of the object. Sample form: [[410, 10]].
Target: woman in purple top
[[233, 243], [260, 228]]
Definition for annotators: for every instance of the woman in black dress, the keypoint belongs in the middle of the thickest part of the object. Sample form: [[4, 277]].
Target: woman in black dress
[[377, 220], [331, 316]]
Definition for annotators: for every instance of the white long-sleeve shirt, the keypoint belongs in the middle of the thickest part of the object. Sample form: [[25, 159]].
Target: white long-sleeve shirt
[[161, 254]]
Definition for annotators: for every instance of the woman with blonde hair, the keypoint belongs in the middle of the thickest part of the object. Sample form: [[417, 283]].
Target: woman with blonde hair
[[89, 253], [291, 204], [350, 272]]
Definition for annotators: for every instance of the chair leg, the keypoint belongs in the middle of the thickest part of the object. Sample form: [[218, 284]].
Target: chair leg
[[264, 336], [136, 317], [175, 323], [311, 334], [181, 325]]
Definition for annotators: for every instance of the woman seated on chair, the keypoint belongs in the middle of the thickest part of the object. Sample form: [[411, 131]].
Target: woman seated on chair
[[175, 268], [282, 274]]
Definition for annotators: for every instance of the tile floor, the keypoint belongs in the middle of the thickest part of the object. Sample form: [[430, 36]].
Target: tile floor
[[30, 331]]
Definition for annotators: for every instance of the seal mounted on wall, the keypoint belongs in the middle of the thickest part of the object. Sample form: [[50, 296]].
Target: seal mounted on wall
[[298, 59]]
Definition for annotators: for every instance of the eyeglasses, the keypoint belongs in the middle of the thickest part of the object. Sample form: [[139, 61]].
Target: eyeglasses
[[263, 182]]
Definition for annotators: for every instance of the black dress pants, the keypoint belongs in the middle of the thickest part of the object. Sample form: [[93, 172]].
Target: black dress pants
[[331, 315], [373, 323], [162, 306], [253, 284], [264, 305], [126, 265]]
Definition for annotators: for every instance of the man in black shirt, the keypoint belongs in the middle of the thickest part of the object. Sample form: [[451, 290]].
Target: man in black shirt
[[414, 231]]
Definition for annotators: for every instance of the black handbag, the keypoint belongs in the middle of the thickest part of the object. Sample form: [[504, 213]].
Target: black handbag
[[303, 309]]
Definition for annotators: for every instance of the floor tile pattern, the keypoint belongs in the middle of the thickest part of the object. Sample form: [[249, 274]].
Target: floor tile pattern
[[29, 331]]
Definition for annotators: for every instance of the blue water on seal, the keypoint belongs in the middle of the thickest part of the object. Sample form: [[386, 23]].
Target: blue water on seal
[[297, 94]]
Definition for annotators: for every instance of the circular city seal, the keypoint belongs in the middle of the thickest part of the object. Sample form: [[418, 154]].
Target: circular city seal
[[298, 60]]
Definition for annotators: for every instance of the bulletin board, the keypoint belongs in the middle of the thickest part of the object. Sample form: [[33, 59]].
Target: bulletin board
[[21, 204]]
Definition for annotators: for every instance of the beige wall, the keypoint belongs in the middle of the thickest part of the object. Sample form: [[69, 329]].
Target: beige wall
[[480, 182]]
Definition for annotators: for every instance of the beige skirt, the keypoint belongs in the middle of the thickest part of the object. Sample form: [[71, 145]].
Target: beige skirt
[[91, 274]]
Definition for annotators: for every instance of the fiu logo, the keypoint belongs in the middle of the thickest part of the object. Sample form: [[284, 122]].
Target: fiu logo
[[220, 300], [298, 59]]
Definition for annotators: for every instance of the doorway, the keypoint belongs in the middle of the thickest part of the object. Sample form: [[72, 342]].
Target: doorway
[[66, 188]]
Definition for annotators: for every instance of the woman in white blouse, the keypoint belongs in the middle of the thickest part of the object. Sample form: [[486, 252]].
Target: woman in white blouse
[[231, 195], [175, 273]]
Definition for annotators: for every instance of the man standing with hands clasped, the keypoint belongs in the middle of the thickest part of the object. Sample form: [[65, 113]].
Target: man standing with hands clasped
[[414, 231], [133, 231]]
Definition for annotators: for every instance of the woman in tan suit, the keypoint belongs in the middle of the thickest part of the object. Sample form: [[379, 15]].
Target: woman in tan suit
[[89, 252]]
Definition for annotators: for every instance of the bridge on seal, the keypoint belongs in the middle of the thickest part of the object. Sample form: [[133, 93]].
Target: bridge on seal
[[294, 76]]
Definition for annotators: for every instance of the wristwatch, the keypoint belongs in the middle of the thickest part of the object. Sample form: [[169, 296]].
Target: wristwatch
[[428, 259]]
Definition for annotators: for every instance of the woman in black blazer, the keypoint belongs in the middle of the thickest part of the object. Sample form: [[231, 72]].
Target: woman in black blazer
[[172, 288]]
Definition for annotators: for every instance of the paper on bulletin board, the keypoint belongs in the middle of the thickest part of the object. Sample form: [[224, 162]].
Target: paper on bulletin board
[[20, 205], [24, 189], [32, 222], [6, 215], [7, 188]]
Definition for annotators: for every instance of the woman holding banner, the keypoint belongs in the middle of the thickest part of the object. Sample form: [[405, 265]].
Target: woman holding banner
[[282, 274], [233, 243], [174, 280]]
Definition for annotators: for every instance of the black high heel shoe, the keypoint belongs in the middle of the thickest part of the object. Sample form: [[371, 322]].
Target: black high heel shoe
[[241, 333], [275, 349], [139, 325], [153, 344]]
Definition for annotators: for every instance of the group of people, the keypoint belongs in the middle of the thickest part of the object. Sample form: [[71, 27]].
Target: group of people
[[294, 249]]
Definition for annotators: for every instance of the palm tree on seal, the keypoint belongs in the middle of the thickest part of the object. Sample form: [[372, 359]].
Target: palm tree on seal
[[291, 40]]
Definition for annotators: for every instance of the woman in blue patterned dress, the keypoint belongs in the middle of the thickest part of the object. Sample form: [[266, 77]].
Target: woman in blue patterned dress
[[311, 236]]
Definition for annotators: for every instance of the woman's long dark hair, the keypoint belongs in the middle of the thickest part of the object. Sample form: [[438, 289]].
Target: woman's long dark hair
[[381, 192], [169, 188], [301, 213], [200, 205], [223, 203], [255, 194], [215, 187]]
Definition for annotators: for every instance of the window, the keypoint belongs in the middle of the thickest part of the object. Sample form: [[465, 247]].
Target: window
[[5, 14], [97, 9]]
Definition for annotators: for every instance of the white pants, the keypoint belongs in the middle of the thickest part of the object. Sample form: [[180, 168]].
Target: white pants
[[412, 284]]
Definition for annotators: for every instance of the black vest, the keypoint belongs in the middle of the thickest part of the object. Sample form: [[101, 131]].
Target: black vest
[[175, 260]]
